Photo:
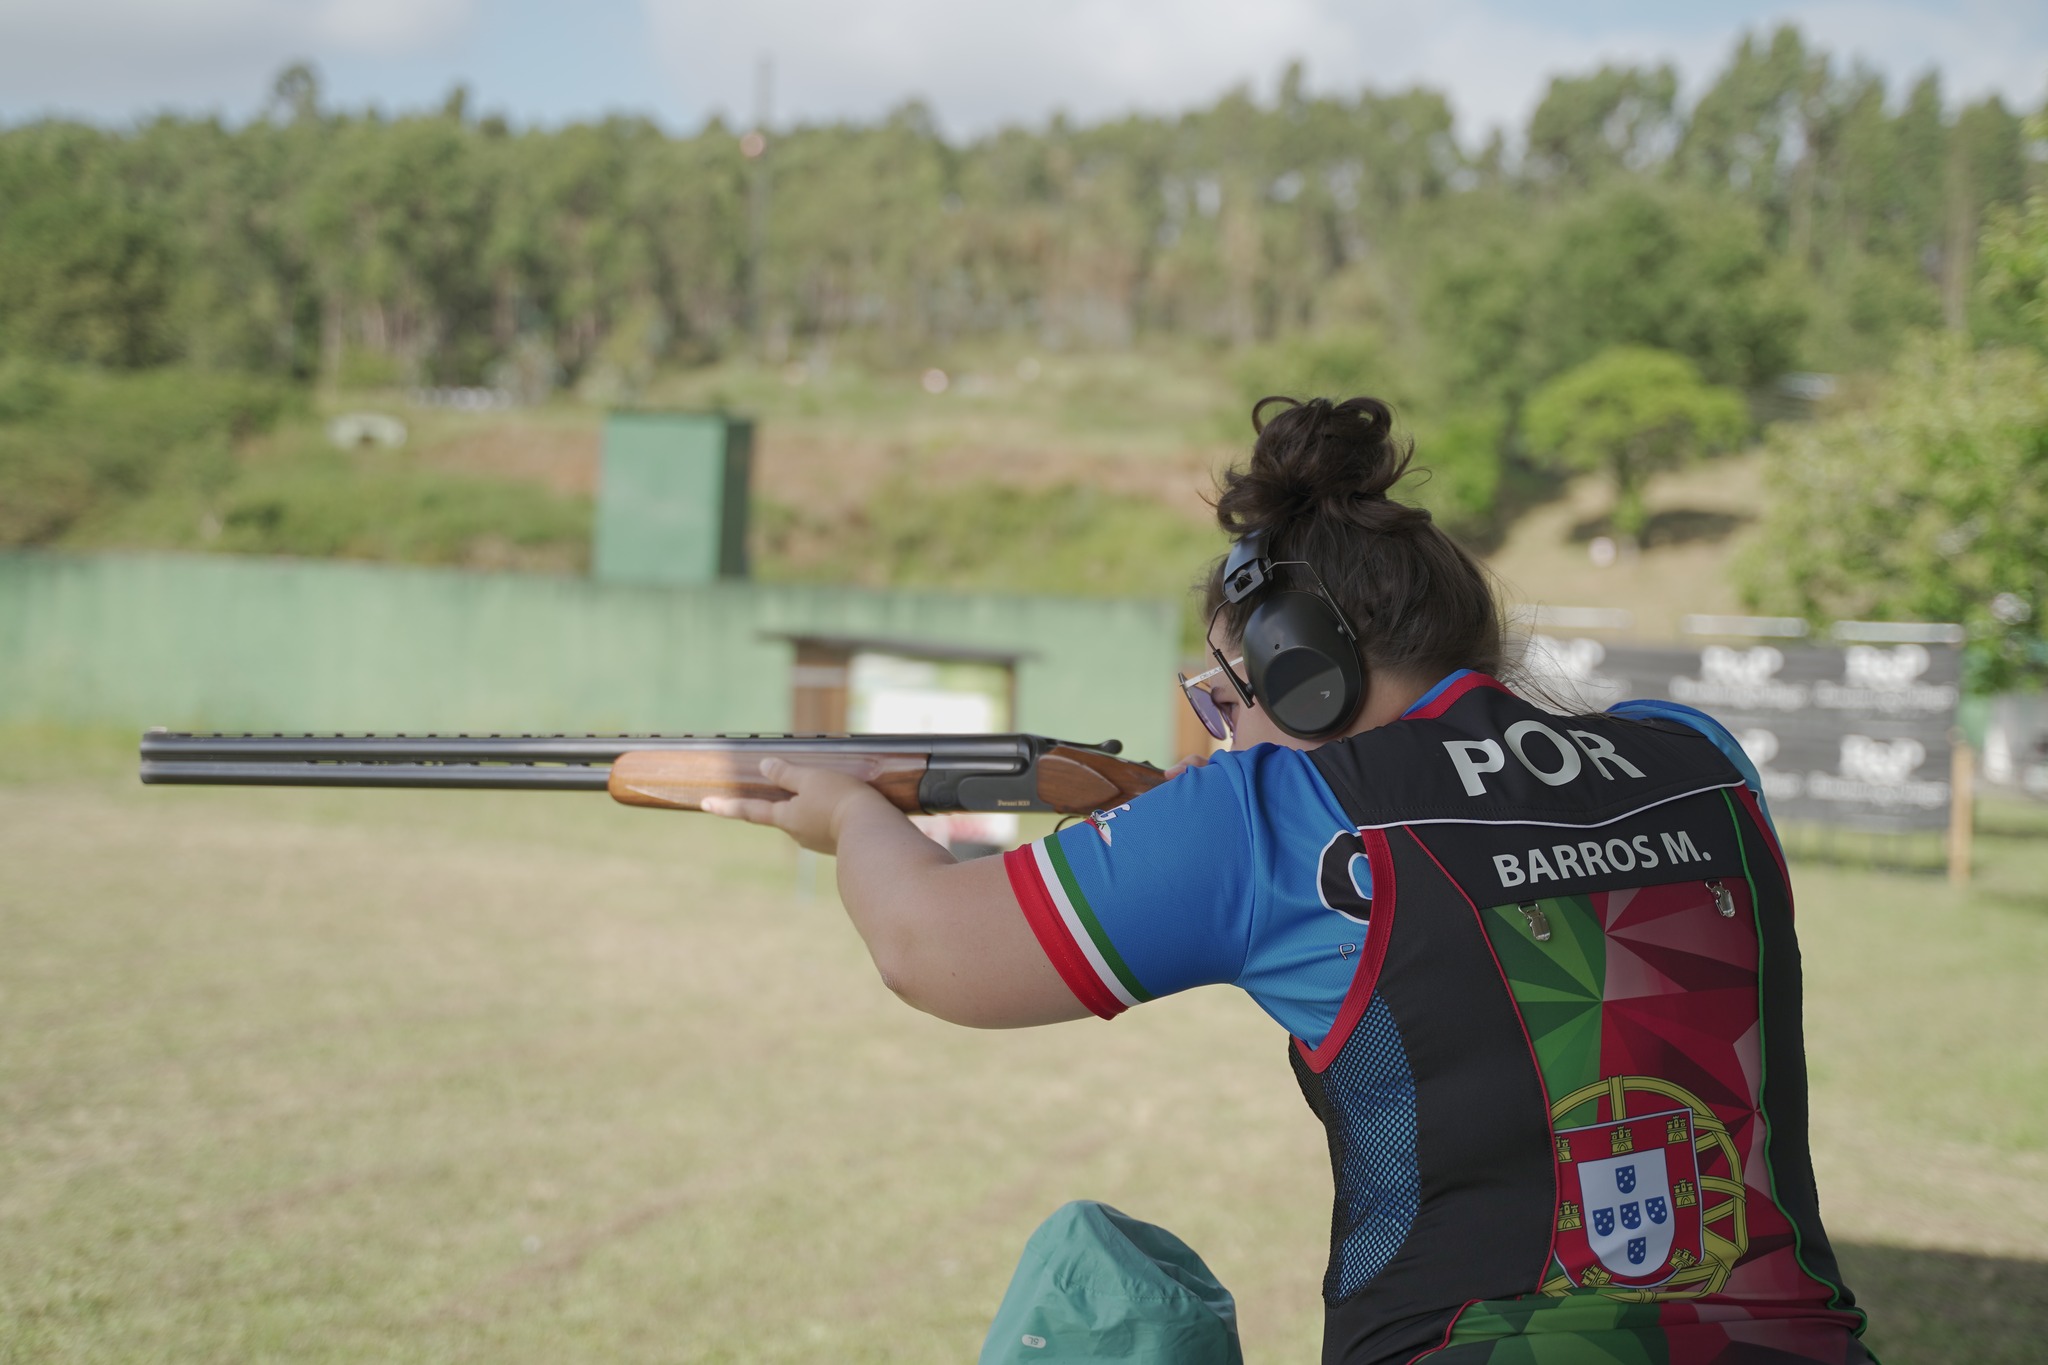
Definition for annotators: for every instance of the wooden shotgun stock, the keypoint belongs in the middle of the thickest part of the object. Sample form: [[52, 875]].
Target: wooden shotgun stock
[[1070, 779]]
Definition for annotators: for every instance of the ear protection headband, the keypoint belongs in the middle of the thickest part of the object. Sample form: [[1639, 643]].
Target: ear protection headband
[[1300, 655]]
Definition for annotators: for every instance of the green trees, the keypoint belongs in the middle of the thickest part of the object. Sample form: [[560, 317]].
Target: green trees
[[1619, 120], [85, 273], [1628, 412], [1926, 496], [1634, 265], [1793, 217], [392, 215], [1797, 216], [1928, 503], [2015, 257]]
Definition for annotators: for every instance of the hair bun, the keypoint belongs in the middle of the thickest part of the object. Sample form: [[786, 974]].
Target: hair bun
[[1319, 459]]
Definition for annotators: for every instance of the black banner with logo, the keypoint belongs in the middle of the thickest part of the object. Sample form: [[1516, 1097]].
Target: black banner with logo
[[1854, 735]]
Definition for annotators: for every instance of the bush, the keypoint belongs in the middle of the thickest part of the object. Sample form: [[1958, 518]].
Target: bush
[[332, 507], [1629, 412], [1457, 469], [2015, 263], [1928, 504], [73, 443]]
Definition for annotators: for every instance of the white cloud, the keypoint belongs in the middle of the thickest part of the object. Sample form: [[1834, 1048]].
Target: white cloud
[[135, 55], [980, 65], [389, 28], [1979, 48]]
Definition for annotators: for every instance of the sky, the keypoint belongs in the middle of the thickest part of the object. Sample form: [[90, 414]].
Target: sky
[[978, 64]]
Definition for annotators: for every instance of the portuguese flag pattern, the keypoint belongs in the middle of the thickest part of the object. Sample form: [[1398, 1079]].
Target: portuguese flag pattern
[[1669, 1247]]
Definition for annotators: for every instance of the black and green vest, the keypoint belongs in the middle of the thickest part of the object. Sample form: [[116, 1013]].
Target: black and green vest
[[1566, 1093]]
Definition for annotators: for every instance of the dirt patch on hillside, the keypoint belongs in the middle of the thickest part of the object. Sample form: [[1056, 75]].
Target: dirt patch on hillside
[[836, 472], [562, 459], [1703, 519], [831, 473]]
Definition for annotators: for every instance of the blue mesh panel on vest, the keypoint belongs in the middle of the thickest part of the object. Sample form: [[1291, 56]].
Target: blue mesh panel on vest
[[1370, 1094]]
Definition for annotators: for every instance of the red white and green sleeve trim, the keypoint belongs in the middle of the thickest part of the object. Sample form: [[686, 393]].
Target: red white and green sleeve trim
[[1073, 938]]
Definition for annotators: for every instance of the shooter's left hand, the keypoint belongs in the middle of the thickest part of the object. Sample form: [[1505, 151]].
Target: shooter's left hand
[[816, 811]]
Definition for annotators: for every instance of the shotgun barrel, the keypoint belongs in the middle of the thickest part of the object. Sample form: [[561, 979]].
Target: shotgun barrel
[[928, 773]]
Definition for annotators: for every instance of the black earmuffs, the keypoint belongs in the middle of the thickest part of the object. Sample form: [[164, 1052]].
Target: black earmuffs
[[1300, 655]]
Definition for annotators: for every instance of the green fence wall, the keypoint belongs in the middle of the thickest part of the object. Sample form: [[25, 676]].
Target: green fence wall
[[228, 642]]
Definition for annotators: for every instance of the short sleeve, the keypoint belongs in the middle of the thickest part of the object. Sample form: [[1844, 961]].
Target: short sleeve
[[1148, 898]]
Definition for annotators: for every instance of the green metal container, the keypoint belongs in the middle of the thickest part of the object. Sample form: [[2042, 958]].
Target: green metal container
[[672, 507]]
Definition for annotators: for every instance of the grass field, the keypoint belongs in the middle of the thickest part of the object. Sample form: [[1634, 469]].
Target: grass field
[[408, 1077]]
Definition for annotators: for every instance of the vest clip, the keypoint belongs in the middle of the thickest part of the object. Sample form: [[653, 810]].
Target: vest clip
[[1723, 901], [1539, 923]]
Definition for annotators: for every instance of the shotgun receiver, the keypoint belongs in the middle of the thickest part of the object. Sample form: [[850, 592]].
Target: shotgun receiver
[[927, 774]]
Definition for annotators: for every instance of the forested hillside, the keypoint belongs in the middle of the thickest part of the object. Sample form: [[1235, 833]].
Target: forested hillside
[[1793, 215], [1798, 214]]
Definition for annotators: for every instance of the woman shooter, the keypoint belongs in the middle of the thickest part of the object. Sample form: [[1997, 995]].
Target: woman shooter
[[1538, 970]]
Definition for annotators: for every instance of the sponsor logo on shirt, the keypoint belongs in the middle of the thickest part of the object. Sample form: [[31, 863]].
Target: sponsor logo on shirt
[[1098, 820]]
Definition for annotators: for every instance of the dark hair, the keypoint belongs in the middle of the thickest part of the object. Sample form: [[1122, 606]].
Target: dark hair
[[1317, 487]]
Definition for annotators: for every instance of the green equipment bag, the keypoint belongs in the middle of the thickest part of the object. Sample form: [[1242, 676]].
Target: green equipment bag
[[1095, 1284]]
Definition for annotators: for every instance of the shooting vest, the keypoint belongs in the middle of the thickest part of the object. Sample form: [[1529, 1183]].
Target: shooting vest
[[1566, 1092]]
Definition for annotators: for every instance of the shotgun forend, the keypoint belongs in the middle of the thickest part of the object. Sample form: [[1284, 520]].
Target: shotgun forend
[[919, 773]]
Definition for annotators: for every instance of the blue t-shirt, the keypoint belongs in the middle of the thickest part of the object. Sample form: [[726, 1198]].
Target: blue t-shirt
[[1239, 871]]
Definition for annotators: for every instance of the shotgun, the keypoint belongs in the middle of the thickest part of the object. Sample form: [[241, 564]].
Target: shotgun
[[920, 774]]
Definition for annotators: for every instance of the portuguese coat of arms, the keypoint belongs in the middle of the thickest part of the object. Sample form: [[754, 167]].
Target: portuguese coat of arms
[[1629, 1201]]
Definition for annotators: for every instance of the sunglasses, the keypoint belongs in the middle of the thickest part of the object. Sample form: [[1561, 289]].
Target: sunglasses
[[1204, 701]]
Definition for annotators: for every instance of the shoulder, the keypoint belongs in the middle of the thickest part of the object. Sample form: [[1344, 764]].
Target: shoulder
[[1694, 720], [1674, 712], [1690, 721], [1241, 807], [1166, 891], [1241, 776]]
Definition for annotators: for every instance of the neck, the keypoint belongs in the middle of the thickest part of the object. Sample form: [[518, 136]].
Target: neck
[[1387, 697]]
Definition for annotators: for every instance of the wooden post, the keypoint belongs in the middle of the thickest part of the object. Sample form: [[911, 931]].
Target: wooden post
[[1962, 802]]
